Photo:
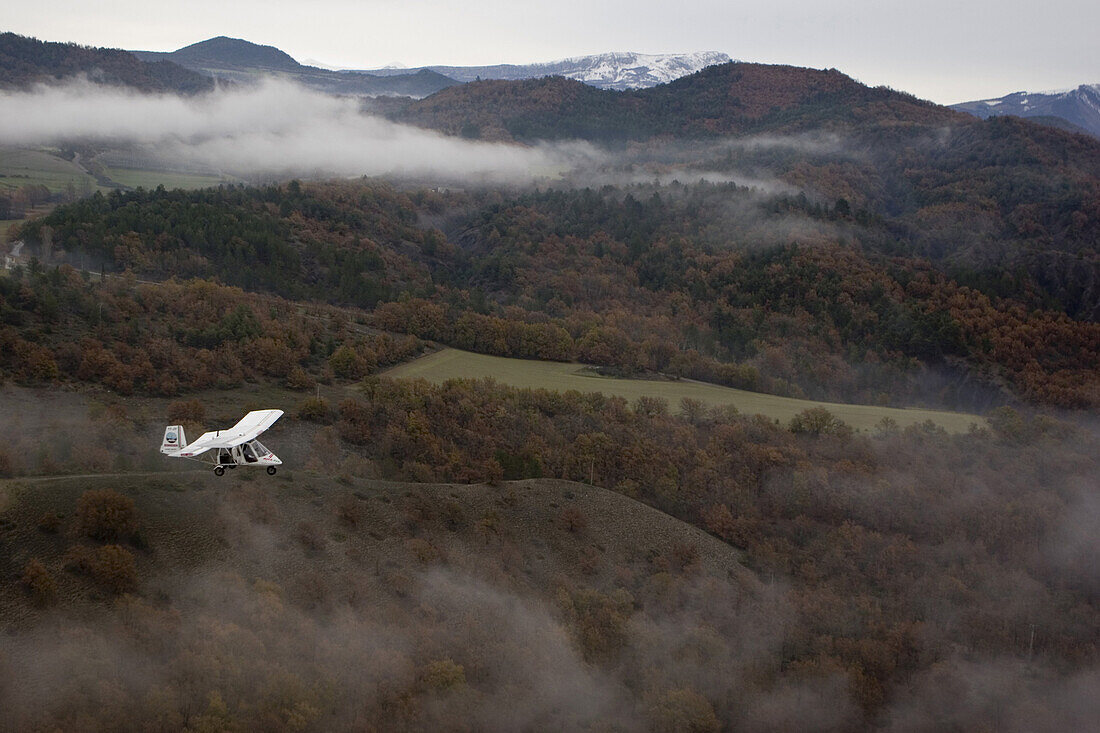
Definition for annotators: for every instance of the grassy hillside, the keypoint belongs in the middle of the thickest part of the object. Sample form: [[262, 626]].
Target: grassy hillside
[[21, 167], [181, 526], [306, 603], [454, 364]]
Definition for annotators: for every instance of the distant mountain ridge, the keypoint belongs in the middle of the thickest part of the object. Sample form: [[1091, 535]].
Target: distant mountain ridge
[[243, 61], [615, 70], [730, 98], [1080, 107], [25, 61], [225, 52]]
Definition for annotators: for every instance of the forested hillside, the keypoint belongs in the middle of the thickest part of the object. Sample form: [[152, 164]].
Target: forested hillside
[[25, 61], [719, 100], [175, 338], [767, 228], [880, 564], [1007, 205], [692, 282]]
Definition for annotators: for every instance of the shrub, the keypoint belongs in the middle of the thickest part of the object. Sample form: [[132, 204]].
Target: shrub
[[50, 522], [443, 675], [358, 466], [106, 515], [298, 379], [349, 511], [489, 525], [685, 711], [685, 556], [590, 561], [694, 411], [309, 536], [39, 583], [314, 409], [1008, 424], [600, 621], [818, 421], [78, 559], [114, 568], [573, 519], [453, 516], [651, 406], [347, 364], [887, 426], [422, 550], [354, 425], [517, 466], [186, 411]]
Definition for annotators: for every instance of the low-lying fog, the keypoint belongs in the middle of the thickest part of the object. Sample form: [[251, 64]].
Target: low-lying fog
[[272, 129]]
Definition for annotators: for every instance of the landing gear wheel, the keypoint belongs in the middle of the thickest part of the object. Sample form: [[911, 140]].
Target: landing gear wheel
[[270, 470], [219, 471]]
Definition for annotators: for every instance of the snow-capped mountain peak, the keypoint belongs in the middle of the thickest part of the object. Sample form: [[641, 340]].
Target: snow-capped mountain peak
[[629, 70], [614, 70]]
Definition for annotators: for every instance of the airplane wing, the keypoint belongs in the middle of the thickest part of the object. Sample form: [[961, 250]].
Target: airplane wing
[[249, 428], [252, 424], [200, 445]]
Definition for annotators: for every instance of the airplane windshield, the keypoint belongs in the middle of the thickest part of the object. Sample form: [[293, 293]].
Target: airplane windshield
[[259, 448]]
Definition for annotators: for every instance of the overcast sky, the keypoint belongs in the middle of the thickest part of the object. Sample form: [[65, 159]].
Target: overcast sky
[[944, 50]]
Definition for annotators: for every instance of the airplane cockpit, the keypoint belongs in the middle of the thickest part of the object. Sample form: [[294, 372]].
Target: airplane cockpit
[[253, 450], [249, 452]]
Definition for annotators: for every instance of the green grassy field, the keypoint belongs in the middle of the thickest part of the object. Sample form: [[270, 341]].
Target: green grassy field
[[20, 167], [151, 179], [5, 225], [452, 363]]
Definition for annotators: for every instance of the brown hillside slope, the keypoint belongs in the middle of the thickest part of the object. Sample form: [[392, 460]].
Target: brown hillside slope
[[349, 603]]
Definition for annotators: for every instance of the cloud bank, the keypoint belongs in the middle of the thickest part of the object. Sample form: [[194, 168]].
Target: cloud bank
[[273, 129]]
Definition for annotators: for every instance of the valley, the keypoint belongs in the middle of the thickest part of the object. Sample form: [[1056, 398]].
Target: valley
[[454, 586], [755, 399]]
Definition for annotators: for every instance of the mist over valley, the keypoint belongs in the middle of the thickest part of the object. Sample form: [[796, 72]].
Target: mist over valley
[[681, 396]]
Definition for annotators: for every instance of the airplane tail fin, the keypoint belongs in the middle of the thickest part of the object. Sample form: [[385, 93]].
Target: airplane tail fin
[[174, 439]]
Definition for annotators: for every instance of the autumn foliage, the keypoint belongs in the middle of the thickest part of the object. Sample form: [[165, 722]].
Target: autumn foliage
[[790, 295], [39, 583], [106, 515]]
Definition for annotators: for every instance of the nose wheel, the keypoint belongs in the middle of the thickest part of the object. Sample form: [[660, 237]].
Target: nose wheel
[[219, 471], [270, 470]]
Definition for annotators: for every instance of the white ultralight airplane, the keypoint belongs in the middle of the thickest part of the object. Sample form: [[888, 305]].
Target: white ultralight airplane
[[234, 447]]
